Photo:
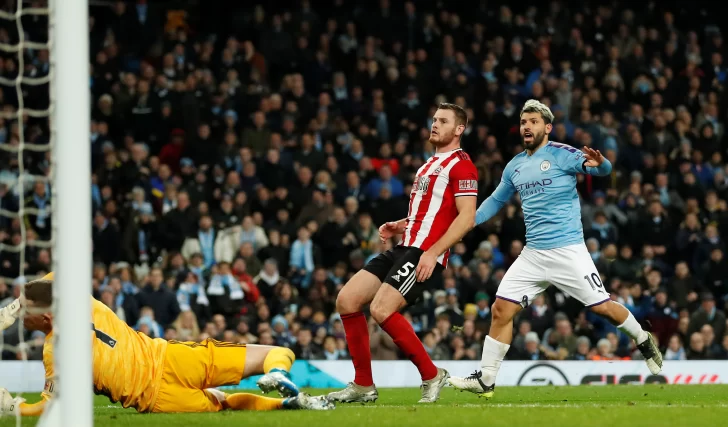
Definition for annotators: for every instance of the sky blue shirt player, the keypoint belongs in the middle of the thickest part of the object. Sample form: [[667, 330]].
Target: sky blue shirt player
[[544, 175]]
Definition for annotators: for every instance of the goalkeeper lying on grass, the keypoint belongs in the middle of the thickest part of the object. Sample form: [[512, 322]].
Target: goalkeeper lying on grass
[[154, 375]]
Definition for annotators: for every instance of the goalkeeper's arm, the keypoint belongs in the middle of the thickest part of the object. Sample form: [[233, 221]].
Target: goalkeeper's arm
[[9, 314], [10, 405], [33, 409]]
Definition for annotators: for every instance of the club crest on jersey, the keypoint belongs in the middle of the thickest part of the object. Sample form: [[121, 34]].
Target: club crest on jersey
[[422, 184], [468, 184], [545, 165]]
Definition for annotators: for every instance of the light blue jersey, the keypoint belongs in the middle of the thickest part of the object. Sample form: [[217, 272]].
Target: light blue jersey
[[546, 182]]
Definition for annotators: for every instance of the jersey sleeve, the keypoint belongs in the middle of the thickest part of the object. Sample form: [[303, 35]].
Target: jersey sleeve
[[568, 158], [50, 375], [464, 179], [36, 409]]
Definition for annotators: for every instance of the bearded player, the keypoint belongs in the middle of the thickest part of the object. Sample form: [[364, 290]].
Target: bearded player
[[154, 375], [544, 175], [441, 211]]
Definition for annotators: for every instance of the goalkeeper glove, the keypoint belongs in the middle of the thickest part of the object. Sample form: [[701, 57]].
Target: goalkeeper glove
[[8, 404], [9, 314]]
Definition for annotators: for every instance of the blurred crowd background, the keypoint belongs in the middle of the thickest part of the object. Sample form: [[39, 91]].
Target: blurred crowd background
[[244, 155]]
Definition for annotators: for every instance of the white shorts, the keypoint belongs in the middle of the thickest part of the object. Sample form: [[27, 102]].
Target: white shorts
[[570, 269]]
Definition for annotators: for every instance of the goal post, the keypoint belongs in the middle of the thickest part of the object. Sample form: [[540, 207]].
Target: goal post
[[70, 129]]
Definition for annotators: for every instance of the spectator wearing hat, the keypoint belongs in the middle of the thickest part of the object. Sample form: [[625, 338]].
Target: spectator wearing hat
[[187, 170], [483, 314], [601, 229], [707, 314], [281, 331]]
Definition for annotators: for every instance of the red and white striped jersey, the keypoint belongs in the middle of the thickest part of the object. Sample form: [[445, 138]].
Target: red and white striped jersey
[[432, 208]]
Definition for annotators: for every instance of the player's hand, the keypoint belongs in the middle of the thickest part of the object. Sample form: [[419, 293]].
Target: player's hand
[[426, 266], [594, 158], [9, 314], [8, 404], [387, 231]]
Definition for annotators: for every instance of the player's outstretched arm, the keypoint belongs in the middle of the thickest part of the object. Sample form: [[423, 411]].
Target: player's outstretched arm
[[587, 160], [33, 409], [595, 163], [10, 405], [463, 223]]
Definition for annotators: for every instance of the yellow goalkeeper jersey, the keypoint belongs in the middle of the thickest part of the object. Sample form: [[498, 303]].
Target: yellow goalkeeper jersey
[[127, 365]]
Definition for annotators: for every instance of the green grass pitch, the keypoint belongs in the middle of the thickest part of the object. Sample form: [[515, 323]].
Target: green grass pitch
[[589, 406]]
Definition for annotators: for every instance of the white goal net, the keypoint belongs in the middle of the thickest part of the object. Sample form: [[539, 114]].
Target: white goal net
[[40, 146]]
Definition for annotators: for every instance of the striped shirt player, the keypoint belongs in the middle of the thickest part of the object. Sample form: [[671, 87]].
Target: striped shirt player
[[432, 208], [441, 210]]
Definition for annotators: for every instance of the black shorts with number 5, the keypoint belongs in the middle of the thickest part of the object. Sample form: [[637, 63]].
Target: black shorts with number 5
[[397, 268]]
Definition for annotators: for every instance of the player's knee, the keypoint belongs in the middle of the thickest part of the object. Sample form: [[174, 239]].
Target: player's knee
[[601, 309], [347, 302], [502, 311], [379, 311]]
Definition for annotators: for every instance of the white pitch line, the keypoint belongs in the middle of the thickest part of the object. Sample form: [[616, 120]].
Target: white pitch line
[[544, 405]]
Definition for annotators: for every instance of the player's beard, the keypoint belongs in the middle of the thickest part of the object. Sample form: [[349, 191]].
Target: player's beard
[[538, 138], [441, 139]]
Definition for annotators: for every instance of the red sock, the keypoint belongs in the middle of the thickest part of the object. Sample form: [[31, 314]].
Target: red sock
[[404, 336], [357, 338]]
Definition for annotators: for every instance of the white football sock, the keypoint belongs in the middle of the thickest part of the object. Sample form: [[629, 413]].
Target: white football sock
[[493, 353], [632, 328]]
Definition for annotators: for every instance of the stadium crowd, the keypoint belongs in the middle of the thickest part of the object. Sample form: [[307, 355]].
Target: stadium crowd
[[244, 156]]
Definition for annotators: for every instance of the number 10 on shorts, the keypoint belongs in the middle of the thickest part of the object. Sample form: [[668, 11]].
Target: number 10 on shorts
[[595, 282]]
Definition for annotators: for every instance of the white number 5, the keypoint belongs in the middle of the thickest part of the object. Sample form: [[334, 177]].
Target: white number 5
[[405, 270]]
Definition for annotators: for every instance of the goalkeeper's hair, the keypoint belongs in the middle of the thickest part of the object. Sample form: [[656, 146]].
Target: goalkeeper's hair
[[40, 292]]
